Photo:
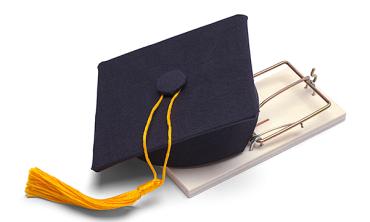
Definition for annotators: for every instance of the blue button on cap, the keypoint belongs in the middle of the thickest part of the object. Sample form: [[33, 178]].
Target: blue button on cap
[[171, 82]]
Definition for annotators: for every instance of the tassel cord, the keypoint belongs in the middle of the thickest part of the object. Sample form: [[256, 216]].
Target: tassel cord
[[42, 185]]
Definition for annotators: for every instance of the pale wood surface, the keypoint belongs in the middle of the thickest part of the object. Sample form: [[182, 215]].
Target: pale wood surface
[[289, 106]]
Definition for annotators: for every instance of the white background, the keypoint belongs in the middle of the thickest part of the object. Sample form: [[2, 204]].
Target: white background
[[48, 58]]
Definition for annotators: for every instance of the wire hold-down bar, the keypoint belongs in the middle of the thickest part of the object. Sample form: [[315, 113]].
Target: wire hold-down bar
[[310, 82]]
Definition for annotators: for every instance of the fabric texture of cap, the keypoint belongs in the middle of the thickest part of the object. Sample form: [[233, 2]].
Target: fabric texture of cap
[[213, 117]]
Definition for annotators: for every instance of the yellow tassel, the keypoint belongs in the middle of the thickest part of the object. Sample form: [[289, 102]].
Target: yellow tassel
[[43, 185]]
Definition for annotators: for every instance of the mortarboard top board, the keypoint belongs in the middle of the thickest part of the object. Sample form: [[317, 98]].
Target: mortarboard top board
[[207, 69], [214, 116]]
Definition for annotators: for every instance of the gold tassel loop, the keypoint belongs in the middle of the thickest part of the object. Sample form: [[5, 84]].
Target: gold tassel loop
[[149, 186], [42, 185]]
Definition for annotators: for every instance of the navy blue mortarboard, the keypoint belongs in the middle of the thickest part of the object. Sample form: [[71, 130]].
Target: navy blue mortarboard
[[215, 115], [207, 70]]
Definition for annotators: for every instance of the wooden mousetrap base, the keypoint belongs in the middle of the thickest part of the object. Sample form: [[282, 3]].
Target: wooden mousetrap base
[[285, 108]]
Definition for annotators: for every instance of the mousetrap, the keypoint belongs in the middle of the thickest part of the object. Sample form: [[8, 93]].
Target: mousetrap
[[292, 109]]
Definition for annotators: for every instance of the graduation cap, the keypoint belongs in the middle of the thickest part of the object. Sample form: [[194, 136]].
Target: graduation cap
[[185, 101]]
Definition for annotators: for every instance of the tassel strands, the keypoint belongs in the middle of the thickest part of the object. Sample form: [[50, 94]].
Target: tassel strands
[[42, 185]]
